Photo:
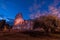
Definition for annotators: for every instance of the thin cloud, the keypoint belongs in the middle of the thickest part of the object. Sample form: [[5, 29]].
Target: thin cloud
[[3, 6], [52, 9]]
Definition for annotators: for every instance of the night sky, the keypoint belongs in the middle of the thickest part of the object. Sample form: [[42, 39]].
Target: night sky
[[9, 8]]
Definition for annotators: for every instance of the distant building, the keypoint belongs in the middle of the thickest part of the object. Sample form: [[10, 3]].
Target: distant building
[[6, 28], [20, 24]]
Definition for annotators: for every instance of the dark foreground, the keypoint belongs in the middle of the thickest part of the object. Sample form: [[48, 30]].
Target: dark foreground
[[20, 36]]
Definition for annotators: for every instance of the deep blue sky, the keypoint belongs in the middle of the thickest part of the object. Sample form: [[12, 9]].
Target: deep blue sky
[[9, 8]]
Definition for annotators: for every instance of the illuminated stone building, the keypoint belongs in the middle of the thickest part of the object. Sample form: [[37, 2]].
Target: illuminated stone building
[[20, 24]]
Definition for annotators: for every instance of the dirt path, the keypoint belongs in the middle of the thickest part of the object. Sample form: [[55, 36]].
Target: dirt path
[[19, 36]]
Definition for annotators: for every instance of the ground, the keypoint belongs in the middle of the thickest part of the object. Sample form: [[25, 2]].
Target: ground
[[20, 36]]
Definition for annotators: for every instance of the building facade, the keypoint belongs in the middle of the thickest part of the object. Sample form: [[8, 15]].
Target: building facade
[[20, 24]]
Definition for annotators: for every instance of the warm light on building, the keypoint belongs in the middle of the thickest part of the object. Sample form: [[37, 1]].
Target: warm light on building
[[22, 25], [5, 28], [18, 21]]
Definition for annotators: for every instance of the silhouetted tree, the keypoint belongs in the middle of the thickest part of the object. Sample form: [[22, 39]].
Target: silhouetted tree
[[2, 23], [47, 22]]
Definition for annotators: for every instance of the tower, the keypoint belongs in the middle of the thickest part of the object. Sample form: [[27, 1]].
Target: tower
[[19, 19], [18, 22]]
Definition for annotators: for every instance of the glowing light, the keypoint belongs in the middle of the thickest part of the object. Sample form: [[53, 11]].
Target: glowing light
[[18, 21]]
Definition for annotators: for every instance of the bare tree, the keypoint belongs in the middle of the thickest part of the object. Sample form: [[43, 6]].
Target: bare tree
[[47, 23], [2, 23]]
